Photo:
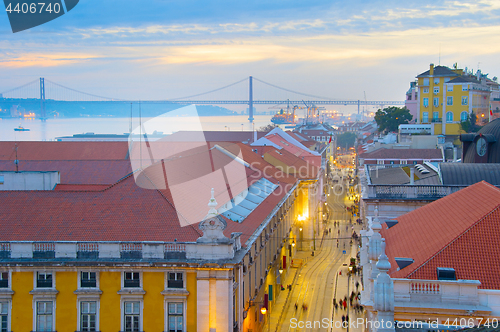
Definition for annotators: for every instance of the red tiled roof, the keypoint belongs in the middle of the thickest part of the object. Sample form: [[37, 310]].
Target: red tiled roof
[[76, 172], [403, 154], [31, 150], [127, 212], [216, 136], [81, 187], [458, 231]]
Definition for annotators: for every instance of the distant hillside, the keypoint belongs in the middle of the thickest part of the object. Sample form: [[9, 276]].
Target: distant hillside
[[74, 109]]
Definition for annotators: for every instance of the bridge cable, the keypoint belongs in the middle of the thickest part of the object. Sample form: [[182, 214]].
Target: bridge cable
[[84, 93], [204, 93], [300, 93], [20, 87]]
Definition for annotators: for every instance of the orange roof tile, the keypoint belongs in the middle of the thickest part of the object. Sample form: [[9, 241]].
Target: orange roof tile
[[459, 231], [31, 150]]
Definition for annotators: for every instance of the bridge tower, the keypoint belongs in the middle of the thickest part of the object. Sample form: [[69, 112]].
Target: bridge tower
[[42, 99], [250, 100]]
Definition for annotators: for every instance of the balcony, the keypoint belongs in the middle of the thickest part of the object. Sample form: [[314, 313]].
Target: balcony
[[436, 120], [438, 295], [411, 192]]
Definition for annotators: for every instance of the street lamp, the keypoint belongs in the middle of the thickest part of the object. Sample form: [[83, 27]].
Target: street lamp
[[281, 270]]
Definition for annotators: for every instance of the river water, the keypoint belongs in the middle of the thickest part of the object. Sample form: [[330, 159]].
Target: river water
[[55, 127]]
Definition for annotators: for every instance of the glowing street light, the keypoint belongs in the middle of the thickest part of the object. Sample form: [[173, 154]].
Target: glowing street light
[[263, 310]]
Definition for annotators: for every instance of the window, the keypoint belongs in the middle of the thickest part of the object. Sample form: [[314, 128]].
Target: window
[[426, 90], [132, 316], [175, 317], [463, 116], [380, 161], [1, 179], [445, 273], [4, 316], [391, 162], [436, 89], [426, 102], [4, 279], [88, 280], [449, 116], [175, 280], [44, 319], [44, 280], [425, 117], [449, 101], [132, 279], [435, 115], [436, 102], [323, 138], [403, 161], [88, 312], [436, 80], [464, 87], [449, 87], [464, 100], [426, 81]]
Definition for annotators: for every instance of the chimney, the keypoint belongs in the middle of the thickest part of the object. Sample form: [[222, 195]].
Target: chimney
[[431, 69], [412, 176]]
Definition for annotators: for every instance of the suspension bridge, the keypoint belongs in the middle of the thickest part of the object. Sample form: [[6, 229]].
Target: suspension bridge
[[44, 91]]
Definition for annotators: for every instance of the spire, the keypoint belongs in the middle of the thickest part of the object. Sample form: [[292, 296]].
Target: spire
[[383, 299], [383, 263], [212, 204], [376, 226]]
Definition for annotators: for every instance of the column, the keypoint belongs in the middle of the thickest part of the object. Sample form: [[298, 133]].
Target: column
[[203, 304]]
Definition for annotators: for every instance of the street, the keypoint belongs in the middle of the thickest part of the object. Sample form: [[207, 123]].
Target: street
[[310, 304]]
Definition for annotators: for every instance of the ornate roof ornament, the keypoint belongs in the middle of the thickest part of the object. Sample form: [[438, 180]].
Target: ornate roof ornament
[[213, 225]]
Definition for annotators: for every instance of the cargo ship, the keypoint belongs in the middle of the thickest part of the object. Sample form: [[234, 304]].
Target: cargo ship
[[283, 117]]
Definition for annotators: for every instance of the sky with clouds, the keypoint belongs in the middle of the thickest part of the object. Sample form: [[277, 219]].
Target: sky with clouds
[[162, 49]]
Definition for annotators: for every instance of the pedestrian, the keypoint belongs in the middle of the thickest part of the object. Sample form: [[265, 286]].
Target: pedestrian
[[343, 320], [334, 301], [296, 306]]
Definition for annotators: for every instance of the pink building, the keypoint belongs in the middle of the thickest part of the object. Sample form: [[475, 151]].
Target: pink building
[[412, 100]]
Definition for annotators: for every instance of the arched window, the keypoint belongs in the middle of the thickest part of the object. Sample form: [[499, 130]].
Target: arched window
[[449, 116], [463, 116]]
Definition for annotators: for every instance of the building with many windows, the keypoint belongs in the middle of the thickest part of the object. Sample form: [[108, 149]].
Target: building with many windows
[[449, 96]]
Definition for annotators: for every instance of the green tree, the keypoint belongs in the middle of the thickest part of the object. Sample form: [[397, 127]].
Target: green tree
[[391, 117], [469, 125], [346, 140]]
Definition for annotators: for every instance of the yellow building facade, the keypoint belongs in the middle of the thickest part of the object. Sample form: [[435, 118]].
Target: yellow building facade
[[448, 97]]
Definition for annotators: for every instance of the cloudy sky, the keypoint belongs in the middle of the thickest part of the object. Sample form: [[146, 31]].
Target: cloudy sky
[[162, 49]]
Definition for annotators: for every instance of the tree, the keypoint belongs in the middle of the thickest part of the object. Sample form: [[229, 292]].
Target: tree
[[390, 118], [346, 140], [469, 125], [267, 128]]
